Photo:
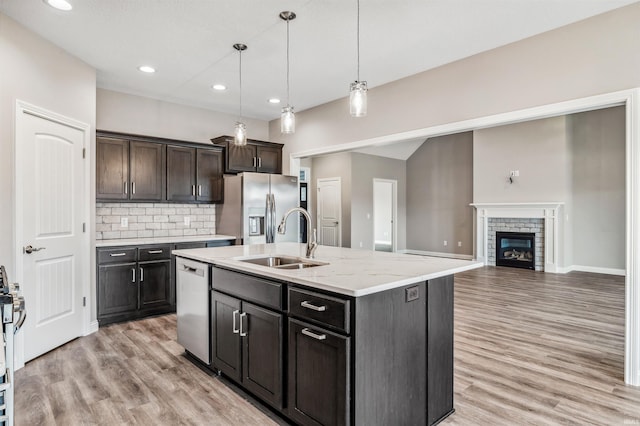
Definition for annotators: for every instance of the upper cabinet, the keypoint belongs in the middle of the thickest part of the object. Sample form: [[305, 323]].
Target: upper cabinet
[[256, 156], [141, 168], [194, 174], [129, 170]]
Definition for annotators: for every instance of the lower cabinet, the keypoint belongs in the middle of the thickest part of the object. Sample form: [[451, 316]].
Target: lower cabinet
[[318, 375], [117, 290], [247, 345], [155, 284]]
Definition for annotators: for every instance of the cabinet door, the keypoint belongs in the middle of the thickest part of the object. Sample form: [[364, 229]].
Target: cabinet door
[[209, 175], [155, 284], [241, 158], [147, 171], [318, 375], [117, 289], [262, 370], [269, 159], [225, 339], [181, 173], [112, 169]]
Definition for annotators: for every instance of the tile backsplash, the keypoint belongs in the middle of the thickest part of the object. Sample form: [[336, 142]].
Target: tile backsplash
[[145, 220]]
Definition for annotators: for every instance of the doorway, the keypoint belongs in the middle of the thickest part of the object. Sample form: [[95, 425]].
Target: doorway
[[51, 235], [330, 212], [385, 206]]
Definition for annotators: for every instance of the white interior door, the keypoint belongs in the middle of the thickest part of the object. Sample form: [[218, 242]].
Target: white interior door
[[384, 214], [50, 211], [329, 212]]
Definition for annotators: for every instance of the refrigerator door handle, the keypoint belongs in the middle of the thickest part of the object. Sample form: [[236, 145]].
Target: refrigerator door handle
[[267, 213], [273, 218]]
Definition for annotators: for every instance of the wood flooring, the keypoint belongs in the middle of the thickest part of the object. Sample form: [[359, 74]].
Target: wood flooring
[[530, 348]]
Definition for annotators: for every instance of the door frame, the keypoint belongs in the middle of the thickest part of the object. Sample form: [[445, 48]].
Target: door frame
[[339, 179], [23, 108], [394, 212]]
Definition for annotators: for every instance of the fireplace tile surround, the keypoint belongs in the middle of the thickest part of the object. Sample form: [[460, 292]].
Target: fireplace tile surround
[[541, 218]]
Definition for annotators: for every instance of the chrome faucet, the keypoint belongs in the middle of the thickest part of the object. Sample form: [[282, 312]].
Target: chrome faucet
[[311, 237]]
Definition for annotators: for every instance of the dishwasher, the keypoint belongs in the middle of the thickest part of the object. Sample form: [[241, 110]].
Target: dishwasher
[[192, 307]]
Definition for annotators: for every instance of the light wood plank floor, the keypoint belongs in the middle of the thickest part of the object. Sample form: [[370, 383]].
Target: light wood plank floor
[[530, 348]]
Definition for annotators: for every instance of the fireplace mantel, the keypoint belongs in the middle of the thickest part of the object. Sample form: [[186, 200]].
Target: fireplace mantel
[[549, 211]]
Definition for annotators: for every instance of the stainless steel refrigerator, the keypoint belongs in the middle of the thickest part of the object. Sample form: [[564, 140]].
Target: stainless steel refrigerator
[[254, 204]]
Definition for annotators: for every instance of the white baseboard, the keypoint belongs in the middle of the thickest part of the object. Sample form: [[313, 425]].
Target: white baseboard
[[437, 254], [598, 270], [93, 327]]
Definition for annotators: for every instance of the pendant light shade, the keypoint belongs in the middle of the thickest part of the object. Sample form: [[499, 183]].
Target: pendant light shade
[[288, 117], [287, 120], [240, 132], [358, 89]]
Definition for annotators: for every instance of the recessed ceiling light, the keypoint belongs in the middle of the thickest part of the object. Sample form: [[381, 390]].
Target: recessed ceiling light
[[147, 69], [219, 87], [60, 4], [274, 101]]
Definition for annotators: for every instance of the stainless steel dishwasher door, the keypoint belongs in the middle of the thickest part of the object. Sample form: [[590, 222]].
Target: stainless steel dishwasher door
[[192, 307]]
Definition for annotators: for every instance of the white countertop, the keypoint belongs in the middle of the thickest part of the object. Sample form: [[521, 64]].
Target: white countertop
[[161, 240], [351, 272]]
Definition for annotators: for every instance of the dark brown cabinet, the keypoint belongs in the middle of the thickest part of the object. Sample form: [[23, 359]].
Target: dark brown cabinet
[[256, 156], [194, 174], [247, 339], [129, 170], [133, 282], [318, 375]]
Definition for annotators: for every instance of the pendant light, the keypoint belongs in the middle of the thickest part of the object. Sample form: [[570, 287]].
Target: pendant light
[[287, 118], [358, 89], [240, 133]]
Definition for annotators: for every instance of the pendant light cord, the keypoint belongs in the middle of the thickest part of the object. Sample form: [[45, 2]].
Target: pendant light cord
[[288, 62], [240, 73], [358, 39]]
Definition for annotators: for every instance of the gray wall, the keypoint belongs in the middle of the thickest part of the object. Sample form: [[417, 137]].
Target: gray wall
[[329, 166], [538, 149], [126, 113], [35, 71], [593, 56], [598, 187], [439, 190], [364, 168]]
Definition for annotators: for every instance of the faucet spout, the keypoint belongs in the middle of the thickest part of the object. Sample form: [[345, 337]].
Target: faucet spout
[[312, 244]]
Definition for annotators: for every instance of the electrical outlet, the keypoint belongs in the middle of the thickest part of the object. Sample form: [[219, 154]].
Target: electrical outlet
[[124, 222], [459, 243], [514, 173], [445, 242], [187, 220], [412, 293]]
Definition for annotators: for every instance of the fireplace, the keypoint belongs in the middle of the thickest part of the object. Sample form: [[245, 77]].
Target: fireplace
[[515, 249]]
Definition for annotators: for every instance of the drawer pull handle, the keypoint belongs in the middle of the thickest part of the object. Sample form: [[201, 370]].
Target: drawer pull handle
[[310, 333], [308, 305], [235, 329], [155, 251], [243, 332], [117, 254]]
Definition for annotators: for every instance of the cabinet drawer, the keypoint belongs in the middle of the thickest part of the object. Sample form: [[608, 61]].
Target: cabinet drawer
[[159, 252], [318, 307], [117, 255], [247, 287]]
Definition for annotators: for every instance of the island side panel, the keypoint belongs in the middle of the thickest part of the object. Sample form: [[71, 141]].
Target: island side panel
[[390, 350], [439, 348]]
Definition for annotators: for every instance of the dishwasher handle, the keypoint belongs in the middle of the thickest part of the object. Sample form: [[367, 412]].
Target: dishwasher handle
[[190, 269]]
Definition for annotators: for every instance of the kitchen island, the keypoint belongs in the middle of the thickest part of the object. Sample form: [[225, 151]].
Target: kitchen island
[[358, 337]]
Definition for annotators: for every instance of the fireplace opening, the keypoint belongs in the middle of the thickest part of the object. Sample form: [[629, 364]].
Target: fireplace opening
[[515, 249]]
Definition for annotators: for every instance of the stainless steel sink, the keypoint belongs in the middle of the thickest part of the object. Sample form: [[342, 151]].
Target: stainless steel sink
[[283, 262]]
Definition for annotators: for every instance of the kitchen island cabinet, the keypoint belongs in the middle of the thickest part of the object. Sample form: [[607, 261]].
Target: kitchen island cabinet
[[369, 335]]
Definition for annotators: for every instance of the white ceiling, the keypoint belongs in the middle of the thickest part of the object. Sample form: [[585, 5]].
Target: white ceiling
[[190, 42]]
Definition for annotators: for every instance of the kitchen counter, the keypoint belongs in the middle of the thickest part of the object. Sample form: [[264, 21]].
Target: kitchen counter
[[351, 272], [162, 240]]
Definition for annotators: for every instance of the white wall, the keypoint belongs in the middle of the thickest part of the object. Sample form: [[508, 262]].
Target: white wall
[[121, 112], [35, 71], [594, 56]]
